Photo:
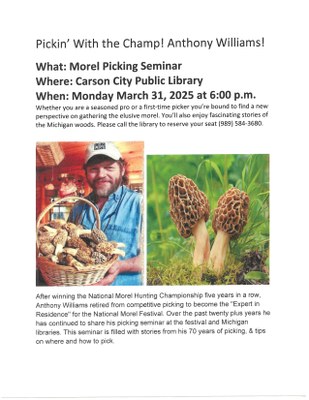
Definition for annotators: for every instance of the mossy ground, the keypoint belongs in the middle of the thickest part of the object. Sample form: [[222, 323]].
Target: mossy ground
[[235, 273]]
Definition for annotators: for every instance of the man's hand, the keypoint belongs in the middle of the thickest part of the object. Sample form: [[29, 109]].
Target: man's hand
[[130, 265], [110, 275]]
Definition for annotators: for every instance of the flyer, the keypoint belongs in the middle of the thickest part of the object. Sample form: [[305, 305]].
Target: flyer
[[154, 174]]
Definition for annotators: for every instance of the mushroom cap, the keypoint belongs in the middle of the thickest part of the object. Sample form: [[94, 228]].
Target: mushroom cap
[[231, 215], [61, 237], [56, 223], [46, 237], [47, 229], [76, 243], [105, 247], [187, 204], [99, 258], [84, 257], [71, 261], [98, 236], [47, 248], [69, 226], [109, 248]]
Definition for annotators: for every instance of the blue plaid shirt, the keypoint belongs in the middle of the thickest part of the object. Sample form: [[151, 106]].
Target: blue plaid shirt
[[121, 221]]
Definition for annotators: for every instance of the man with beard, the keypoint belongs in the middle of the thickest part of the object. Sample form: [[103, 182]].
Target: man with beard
[[119, 208]]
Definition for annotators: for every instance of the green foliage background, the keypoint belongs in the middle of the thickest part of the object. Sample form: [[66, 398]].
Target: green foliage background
[[214, 175]]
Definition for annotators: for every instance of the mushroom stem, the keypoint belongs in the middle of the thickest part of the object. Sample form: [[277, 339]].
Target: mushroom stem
[[218, 251], [202, 245]]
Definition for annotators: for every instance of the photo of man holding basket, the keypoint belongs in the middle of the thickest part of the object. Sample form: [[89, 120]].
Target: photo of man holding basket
[[119, 208], [89, 213]]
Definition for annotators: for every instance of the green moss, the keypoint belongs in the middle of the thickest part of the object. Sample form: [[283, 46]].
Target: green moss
[[182, 273]]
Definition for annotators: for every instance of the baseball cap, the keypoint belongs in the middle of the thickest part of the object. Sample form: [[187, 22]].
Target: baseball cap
[[107, 149]]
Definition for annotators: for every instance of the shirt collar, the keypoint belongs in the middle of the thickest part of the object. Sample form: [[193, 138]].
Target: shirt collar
[[116, 195]]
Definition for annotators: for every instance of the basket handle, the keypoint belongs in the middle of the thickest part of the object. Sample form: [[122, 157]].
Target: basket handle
[[68, 198]]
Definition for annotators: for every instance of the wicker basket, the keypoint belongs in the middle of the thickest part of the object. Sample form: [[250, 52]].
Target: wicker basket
[[62, 275]]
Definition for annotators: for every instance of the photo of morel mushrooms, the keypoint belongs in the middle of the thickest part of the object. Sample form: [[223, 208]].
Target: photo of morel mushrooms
[[189, 210], [228, 222], [72, 245]]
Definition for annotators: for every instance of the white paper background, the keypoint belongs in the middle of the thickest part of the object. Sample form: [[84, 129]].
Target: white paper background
[[274, 364]]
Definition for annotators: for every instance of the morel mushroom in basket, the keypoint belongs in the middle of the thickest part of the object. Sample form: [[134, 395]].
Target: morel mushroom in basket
[[72, 245], [189, 209], [228, 222]]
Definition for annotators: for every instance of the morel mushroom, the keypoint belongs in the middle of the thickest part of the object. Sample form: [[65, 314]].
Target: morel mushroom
[[46, 234], [110, 248], [76, 230], [82, 255], [228, 222], [47, 248], [48, 229], [189, 209], [98, 236], [57, 223], [60, 240], [69, 226], [99, 258], [79, 231], [72, 262], [77, 243]]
